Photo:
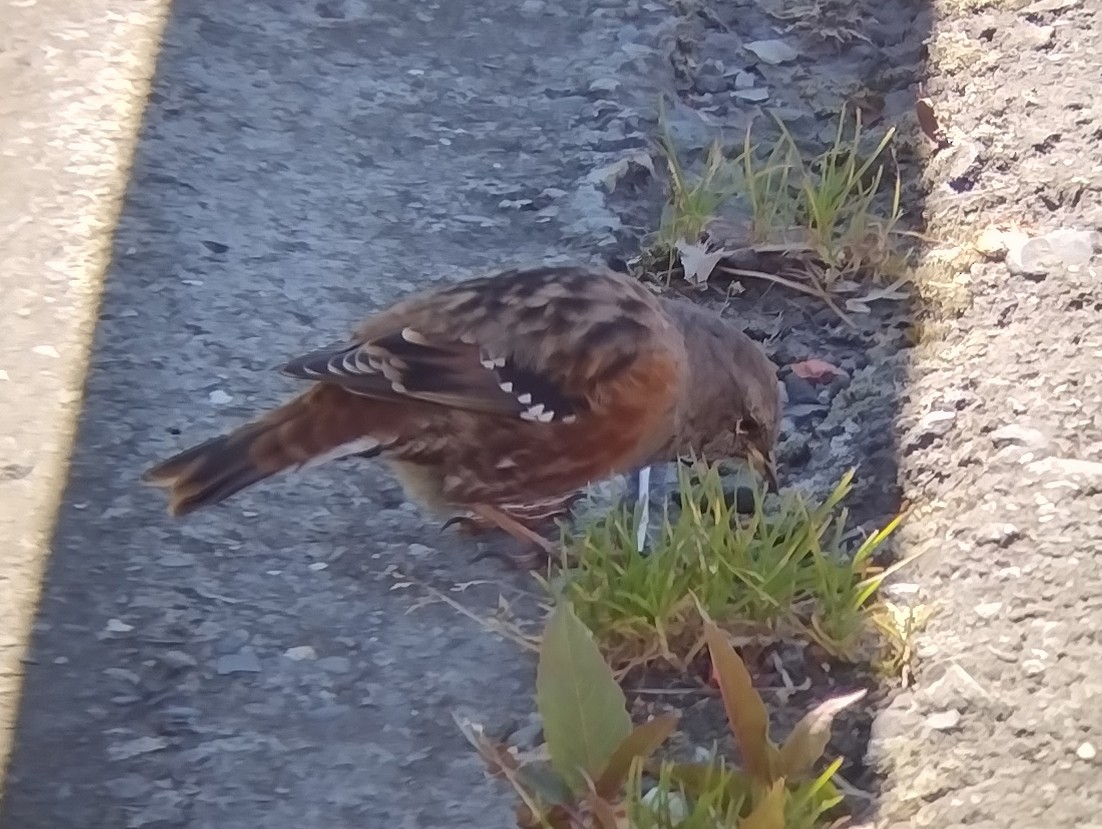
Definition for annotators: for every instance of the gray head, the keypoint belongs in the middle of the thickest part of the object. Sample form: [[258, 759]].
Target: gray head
[[732, 406]]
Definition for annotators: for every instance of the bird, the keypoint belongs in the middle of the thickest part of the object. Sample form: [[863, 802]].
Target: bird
[[496, 400]]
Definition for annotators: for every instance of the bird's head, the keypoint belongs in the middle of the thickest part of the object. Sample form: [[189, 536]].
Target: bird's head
[[732, 405]]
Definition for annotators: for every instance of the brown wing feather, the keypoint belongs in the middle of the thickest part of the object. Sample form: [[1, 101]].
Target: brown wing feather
[[539, 345]]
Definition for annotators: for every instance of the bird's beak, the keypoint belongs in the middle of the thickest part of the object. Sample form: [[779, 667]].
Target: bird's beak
[[764, 464]]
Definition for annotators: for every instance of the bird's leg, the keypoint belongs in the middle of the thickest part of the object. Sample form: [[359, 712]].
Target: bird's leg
[[516, 529], [468, 525]]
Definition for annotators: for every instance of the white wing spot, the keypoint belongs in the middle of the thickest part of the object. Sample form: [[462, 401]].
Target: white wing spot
[[524, 399], [506, 387], [570, 419], [349, 363], [411, 336], [546, 417], [537, 410]]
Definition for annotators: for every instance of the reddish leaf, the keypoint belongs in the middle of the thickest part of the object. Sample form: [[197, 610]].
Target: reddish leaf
[[642, 742], [746, 712], [817, 371]]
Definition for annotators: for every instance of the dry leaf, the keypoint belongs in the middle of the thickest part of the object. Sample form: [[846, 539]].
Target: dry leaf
[[817, 371], [697, 261]]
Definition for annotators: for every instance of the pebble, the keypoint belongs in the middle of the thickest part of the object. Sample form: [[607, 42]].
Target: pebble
[[1033, 667], [178, 659], [1086, 751], [232, 642], [1017, 435], [944, 720], [772, 51], [130, 787], [118, 626], [528, 736], [1000, 534], [134, 748], [1043, 254], [800, 390], [300, 653], [988, 610], [335, 664], [937, 423], [244, 662], [328, 712]]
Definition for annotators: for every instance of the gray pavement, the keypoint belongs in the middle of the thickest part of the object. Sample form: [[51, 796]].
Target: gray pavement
[[299, 164]]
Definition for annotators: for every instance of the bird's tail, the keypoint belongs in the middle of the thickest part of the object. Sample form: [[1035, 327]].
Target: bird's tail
[[315, 427]]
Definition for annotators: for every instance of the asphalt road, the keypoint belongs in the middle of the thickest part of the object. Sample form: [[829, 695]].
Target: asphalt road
[[296, 166]]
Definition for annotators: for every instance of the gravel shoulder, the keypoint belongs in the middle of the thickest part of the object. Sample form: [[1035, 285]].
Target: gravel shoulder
[[1003, 724]]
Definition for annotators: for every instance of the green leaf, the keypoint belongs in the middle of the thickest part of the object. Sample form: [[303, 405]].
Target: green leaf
[[584, 711], [808, 740], [746, 712], [769, 813], [640, 743]]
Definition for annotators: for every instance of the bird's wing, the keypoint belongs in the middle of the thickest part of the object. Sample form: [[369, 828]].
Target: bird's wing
[[544, 345]]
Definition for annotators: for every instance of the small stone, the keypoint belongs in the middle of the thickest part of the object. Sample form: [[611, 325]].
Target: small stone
[[800, 390], [1015, 435], [46, 351], [335, 664], [176, 560], [1033, 667], [772, 51], [245, 662], [745, 80], [529, 736], [1001, 534], [232, 642], [944, 720], [937, 423], [328, 712], [300, 653], [710, 77], [178, 659], [991, 242], [1042, 255], [118, 626], [420, 550], [317, 566], [988, 610], [219, 397], [129, 787], [754, 94], [135, 748], [123, 674], [1074, 247], [604, 85], [1086, 751]]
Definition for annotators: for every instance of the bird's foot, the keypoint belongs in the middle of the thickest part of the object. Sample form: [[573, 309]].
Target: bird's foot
[[536, 551]]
